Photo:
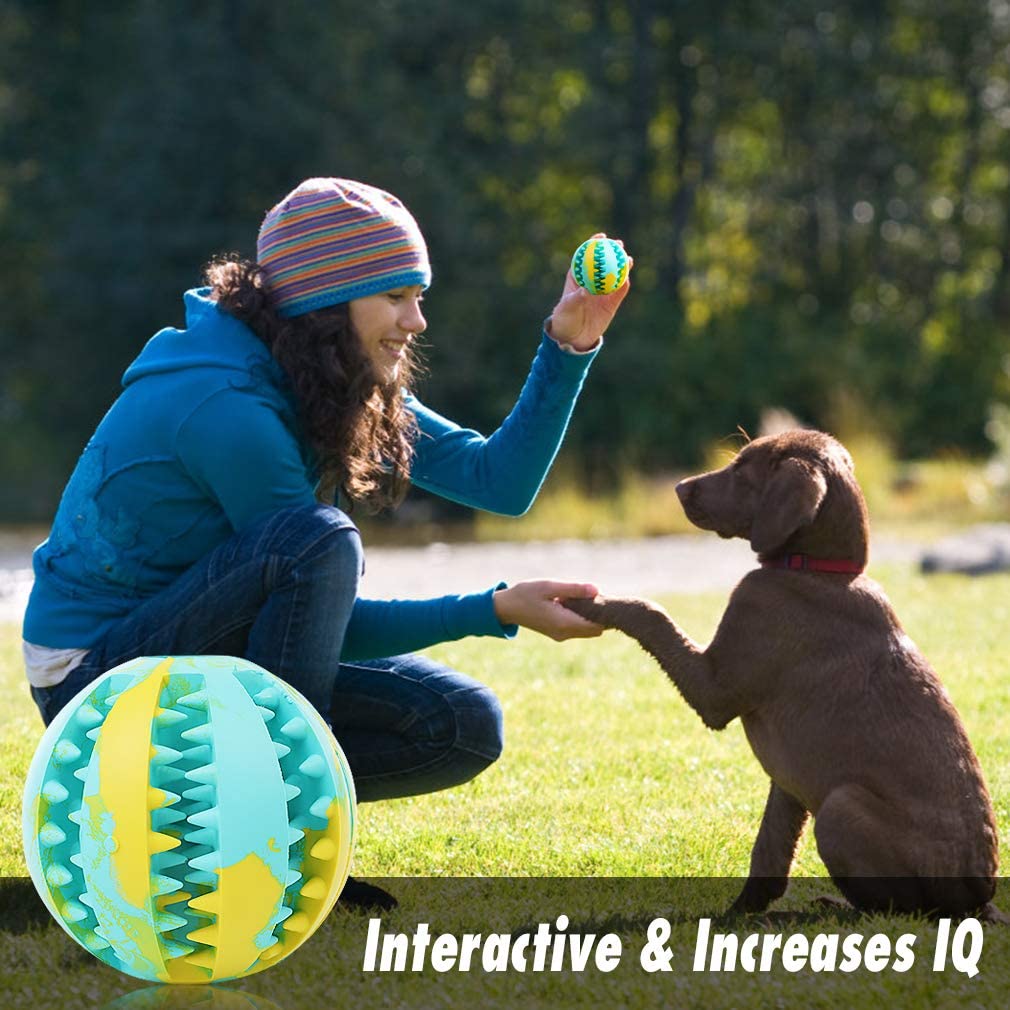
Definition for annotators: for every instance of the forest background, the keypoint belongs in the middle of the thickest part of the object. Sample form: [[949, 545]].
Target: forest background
[[817, 197]]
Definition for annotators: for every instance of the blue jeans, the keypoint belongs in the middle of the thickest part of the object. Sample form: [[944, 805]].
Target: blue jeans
[[280, 594]]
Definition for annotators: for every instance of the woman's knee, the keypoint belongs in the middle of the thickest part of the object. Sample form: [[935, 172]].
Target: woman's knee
[[410, 725], [464, 741], [479, 724], [318, 535]]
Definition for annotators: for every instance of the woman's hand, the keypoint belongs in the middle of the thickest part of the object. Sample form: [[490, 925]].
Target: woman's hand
[[537, 606], [580, 319]]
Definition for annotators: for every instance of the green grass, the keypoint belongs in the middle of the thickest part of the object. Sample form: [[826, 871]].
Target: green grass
[[606, 773]]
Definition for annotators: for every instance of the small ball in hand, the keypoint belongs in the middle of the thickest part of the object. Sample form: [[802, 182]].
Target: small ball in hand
[[600, 265]]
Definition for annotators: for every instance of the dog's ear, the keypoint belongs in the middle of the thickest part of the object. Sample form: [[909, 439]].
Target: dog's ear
[[791, 498]]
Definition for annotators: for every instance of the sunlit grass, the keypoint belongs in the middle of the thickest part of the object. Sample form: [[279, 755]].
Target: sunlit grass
[[606, 770], [606, 774]]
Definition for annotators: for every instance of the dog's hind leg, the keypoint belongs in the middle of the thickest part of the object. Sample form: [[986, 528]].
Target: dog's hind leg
[[871, 857], [772, 855], [882, 864], [957, 896]]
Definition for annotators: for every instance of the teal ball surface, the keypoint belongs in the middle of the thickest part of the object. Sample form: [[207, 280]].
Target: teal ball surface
[[189, 819]]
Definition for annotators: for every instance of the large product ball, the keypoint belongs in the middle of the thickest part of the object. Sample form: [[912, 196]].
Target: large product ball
[[600, 265], [189, 819]]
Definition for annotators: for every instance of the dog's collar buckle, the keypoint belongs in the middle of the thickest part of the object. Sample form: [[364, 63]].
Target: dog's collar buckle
[[805, 563]]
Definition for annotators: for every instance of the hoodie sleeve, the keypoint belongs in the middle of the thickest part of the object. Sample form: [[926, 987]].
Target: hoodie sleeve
[[503, 472], [392, 627], [241, 454]]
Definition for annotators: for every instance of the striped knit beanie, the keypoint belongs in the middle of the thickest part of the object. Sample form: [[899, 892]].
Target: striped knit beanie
[[331, 240]]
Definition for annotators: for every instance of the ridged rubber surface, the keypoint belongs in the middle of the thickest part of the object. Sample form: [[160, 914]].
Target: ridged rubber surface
[[189, 819], [600, 265]]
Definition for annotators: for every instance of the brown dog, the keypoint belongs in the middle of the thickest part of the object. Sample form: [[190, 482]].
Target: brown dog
[[841, 709]]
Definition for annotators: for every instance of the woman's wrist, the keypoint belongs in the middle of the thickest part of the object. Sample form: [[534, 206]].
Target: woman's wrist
[[574, 345], [500, 600]]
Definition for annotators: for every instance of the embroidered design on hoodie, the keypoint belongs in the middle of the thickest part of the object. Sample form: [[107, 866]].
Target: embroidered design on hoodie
[[100, 540]]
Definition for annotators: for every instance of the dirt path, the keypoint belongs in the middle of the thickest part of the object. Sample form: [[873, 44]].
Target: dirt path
[[619, 567]]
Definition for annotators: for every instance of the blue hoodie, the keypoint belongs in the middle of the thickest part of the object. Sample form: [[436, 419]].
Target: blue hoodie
[[204, 440]]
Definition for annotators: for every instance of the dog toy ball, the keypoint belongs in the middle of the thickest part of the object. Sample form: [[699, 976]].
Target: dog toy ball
[[600, 266], [189, 819]]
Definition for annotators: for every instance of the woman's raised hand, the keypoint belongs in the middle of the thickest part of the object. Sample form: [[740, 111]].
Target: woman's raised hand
[[537, 605], [580, 318]]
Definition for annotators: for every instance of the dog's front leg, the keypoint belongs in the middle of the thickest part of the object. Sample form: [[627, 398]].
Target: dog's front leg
[[686, 664], [773, 852]]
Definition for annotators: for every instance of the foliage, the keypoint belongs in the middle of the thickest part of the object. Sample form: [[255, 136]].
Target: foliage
[[816, 196]]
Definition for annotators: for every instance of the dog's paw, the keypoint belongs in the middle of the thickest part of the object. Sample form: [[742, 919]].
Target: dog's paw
[[592, 610], [832, 903], [991, 914]]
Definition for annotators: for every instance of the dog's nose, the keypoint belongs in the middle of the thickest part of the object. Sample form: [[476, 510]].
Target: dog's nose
[[685, 489]]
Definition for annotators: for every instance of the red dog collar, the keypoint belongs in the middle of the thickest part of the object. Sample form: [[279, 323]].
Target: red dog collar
[[805, 563]]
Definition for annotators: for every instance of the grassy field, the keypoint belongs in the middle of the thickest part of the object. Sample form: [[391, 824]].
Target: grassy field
[[606, 774]]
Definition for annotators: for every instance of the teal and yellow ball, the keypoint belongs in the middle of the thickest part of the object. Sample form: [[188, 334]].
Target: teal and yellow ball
[[189, 819], [600, 265]]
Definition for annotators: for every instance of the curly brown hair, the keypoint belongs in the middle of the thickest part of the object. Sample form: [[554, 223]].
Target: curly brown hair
[[362, 434]]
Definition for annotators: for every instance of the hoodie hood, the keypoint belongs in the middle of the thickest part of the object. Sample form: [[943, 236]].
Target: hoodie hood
[[212, 339]]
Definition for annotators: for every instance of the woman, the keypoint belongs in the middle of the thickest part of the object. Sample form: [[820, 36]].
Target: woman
[[194, 523]]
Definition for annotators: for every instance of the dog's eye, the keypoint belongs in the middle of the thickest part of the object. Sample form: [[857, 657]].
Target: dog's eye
[[742, 472]]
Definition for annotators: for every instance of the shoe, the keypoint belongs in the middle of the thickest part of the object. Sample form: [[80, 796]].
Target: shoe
[[359, 895]]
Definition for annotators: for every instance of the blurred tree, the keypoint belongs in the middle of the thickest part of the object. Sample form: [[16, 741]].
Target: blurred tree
[[817, 198]]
